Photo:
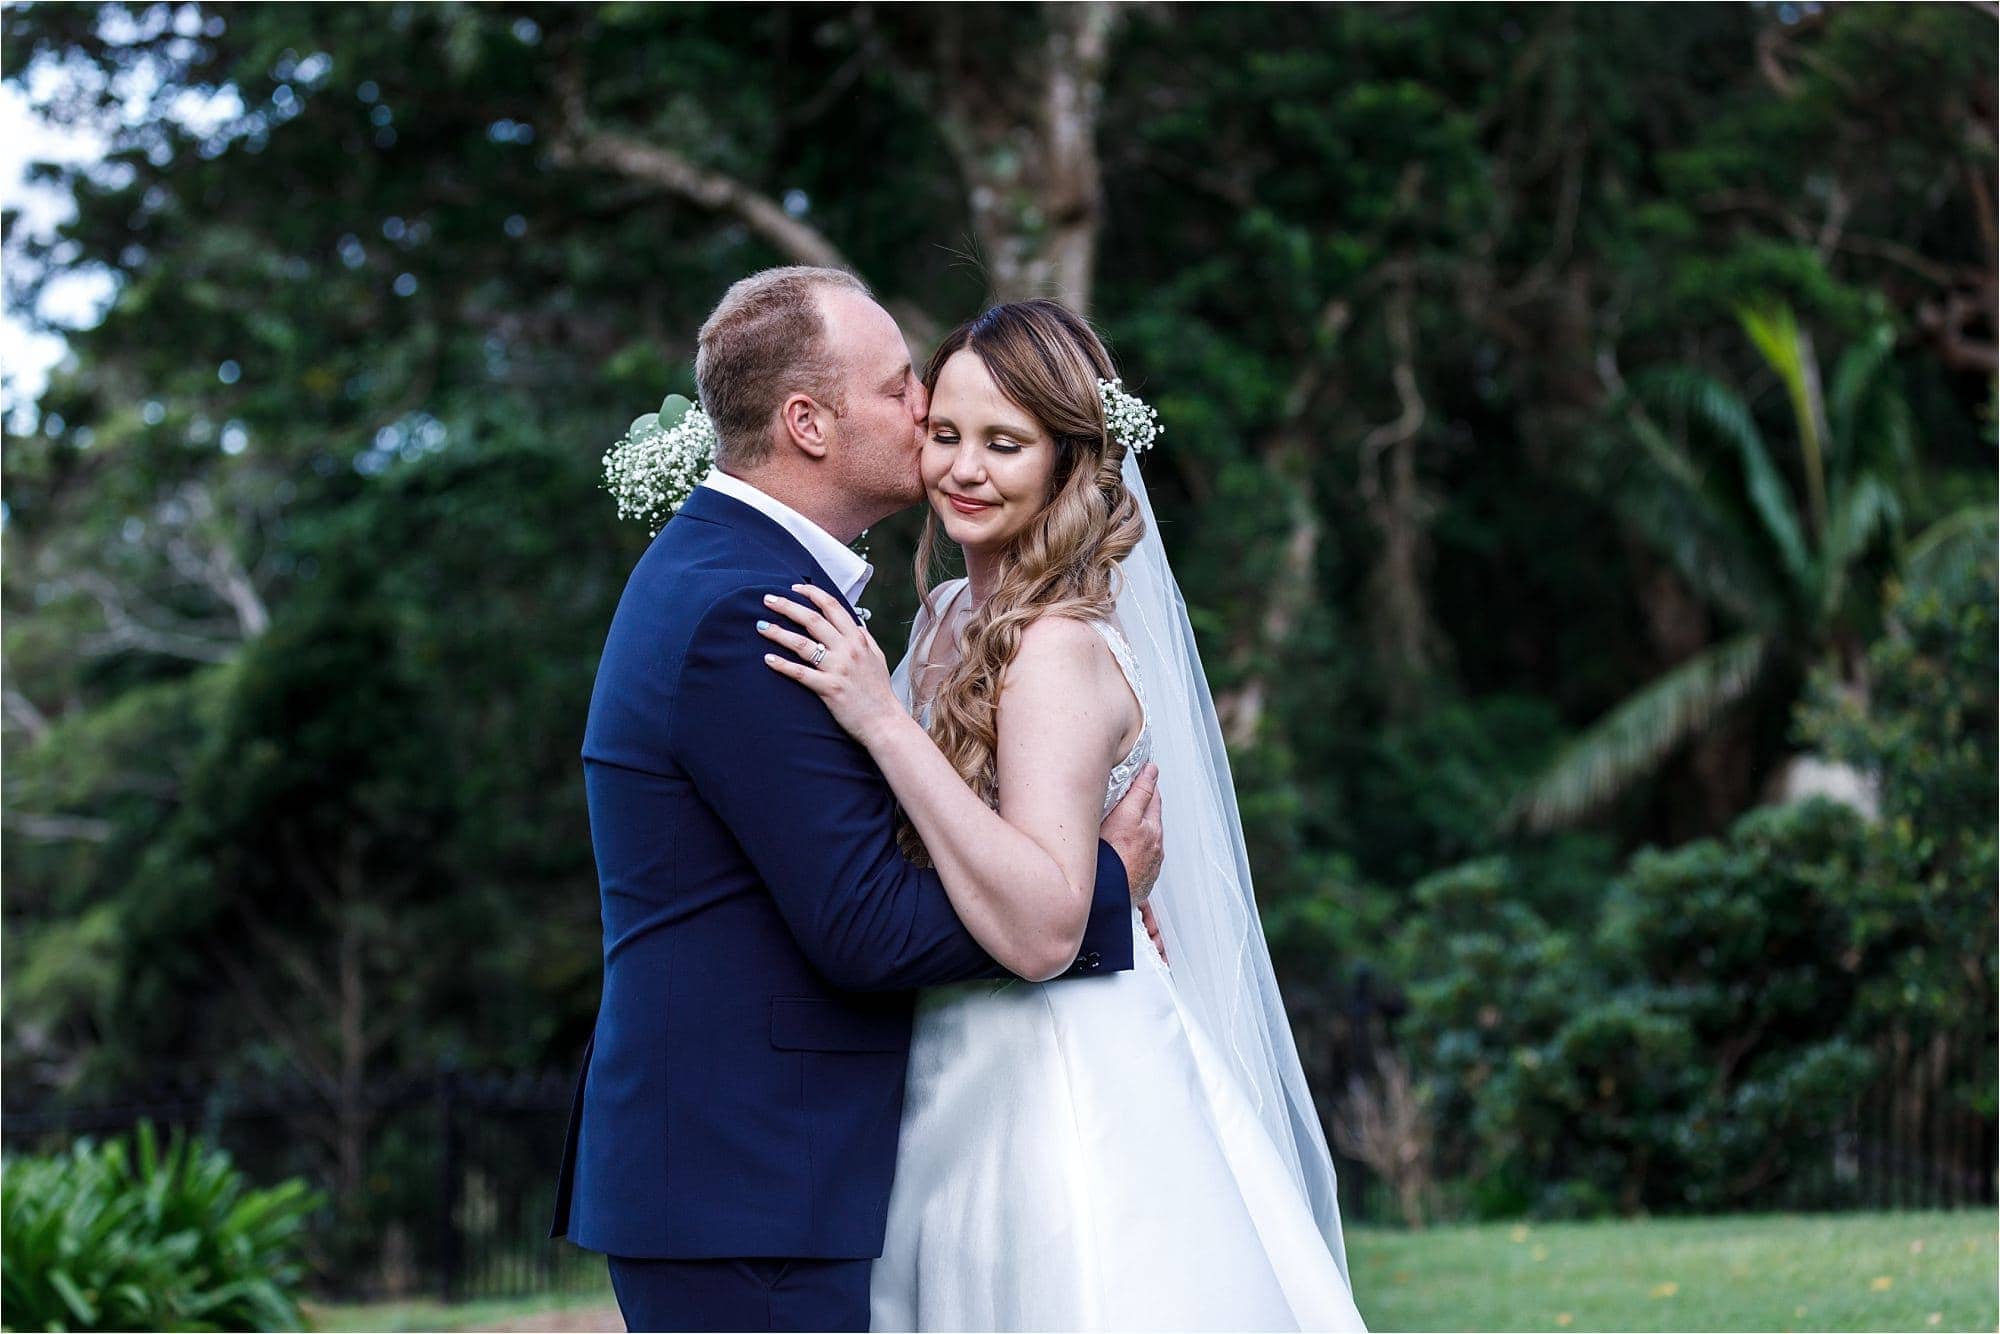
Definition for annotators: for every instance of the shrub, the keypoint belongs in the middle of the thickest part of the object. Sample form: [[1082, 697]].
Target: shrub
[[122, 1236], [1922, 924]]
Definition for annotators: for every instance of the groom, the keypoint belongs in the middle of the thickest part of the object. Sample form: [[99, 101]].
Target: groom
[[734, 1130]]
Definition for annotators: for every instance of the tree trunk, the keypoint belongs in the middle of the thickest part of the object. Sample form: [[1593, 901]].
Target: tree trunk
[[1025, 140], [351, 1112]]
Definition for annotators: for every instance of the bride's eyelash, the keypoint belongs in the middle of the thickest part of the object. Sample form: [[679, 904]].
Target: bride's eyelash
[[951, 438]]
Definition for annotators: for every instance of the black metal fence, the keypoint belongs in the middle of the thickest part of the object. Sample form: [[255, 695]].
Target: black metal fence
[[454, 1188], [456, 1172], [1910, 1139]]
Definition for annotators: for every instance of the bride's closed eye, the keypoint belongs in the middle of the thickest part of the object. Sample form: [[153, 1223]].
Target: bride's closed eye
[[950, 439]]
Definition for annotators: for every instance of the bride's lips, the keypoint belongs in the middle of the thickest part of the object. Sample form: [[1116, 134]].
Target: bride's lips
[[965, 505]]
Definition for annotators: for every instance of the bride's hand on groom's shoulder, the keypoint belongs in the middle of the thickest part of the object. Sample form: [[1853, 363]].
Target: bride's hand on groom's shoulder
[[835, 658]]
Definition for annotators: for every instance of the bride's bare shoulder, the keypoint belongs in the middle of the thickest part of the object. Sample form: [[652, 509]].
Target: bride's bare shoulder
[[1065, 655], [1059, 640]]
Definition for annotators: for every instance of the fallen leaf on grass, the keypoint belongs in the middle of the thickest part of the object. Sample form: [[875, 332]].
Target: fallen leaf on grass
[[1564, 1318], [1539, 1253], [1934, 1317], [1666, 1289], [1917, 1246], [1518, 1234], [1402, 1276], [1881, 1283]]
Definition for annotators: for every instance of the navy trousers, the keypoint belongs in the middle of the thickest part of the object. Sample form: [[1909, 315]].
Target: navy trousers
[[749, 1294]]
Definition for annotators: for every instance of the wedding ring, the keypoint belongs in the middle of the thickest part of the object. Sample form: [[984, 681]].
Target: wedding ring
[[819, 654]]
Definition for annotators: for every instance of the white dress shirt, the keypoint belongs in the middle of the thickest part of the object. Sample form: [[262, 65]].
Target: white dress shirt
[[849, 572]]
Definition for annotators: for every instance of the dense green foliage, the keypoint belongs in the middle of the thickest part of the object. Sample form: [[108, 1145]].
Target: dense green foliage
[[121, 1235], [1554, 392], [1694, 1039], [1922, 912]]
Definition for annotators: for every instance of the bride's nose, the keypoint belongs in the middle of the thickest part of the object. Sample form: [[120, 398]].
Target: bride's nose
[[967, 468]]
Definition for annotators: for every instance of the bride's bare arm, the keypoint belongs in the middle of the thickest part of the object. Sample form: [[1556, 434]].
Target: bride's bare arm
[[1019, 879]]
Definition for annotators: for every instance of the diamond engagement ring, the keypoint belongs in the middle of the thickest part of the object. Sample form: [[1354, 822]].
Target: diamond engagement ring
[[819, 654]]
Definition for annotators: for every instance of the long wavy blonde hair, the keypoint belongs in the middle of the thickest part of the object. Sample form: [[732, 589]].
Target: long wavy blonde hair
[[1047, 360]]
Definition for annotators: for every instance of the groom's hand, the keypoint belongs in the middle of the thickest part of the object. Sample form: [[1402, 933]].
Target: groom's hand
[[1133, 831]]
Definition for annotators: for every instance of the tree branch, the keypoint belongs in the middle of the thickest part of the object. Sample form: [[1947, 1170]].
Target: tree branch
[[1285, 453], [124, 630], [58, 828], [579, 142], [21, 711], [296, 1045]]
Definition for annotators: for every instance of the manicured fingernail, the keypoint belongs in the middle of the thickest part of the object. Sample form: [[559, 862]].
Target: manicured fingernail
[[763, 625], [771, 657], [771, 599]]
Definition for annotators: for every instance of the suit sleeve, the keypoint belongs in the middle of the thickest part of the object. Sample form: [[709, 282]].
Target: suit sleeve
[[817, 820]]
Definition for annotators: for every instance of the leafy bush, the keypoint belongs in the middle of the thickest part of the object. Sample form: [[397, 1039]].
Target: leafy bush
[[106, 1237], [1692, 1040], [1675, 1053], [1922, 924]]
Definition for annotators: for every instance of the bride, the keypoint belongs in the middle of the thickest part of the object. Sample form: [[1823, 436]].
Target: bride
[[1130, 1151]]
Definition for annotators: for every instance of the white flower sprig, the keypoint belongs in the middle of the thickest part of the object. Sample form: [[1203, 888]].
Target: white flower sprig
[[1129, 419], [660, 459]]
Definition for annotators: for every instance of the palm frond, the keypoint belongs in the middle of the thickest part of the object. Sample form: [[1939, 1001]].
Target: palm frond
[[1634, 737], [1947, 550], [1683, 518], [1717, 408], [1857, 380], [1788, 350], [1865, 507]]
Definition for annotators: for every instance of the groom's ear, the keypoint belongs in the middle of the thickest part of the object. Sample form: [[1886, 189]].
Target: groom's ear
[[804, 424]]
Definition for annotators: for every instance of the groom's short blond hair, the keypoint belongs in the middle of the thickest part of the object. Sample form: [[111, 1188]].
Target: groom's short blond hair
[[765, 341]]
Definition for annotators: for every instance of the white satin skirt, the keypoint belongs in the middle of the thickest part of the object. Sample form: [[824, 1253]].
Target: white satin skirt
[[1076, 1156]]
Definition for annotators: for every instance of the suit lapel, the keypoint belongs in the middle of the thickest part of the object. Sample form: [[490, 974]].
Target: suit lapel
[[707, 505]]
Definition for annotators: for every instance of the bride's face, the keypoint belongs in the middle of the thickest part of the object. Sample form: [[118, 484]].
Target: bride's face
[[987, 462]]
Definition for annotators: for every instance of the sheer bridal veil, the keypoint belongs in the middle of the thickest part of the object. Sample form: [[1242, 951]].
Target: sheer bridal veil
[[1204, 903]]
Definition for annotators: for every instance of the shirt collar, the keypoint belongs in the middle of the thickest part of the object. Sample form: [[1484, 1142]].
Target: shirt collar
[[849, 572]]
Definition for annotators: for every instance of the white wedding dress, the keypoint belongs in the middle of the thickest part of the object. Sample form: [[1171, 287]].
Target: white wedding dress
[[1077, 1155]]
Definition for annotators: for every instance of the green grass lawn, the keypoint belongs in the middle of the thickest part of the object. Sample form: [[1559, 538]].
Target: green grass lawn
[[496, 1313], [1902, 1271]]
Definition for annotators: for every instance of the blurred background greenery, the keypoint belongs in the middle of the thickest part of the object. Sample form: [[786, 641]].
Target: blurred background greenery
[[1581, 454]]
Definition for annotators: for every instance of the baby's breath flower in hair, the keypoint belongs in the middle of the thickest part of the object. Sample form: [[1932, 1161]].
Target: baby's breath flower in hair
[[662, 458], [1129, 419]]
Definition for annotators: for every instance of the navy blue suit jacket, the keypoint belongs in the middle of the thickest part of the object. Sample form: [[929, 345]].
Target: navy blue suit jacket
[[743, 1088]]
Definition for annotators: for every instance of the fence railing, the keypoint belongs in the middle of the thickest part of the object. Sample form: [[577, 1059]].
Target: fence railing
[[1907, 1140], [457, 1171], [455, 1188]]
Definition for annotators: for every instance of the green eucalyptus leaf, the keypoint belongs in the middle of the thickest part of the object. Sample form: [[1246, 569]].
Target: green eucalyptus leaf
[[672, 408]]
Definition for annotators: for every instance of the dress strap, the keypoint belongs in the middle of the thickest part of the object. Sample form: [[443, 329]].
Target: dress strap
[[928, 633], [923, 637], [1121, 649]]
